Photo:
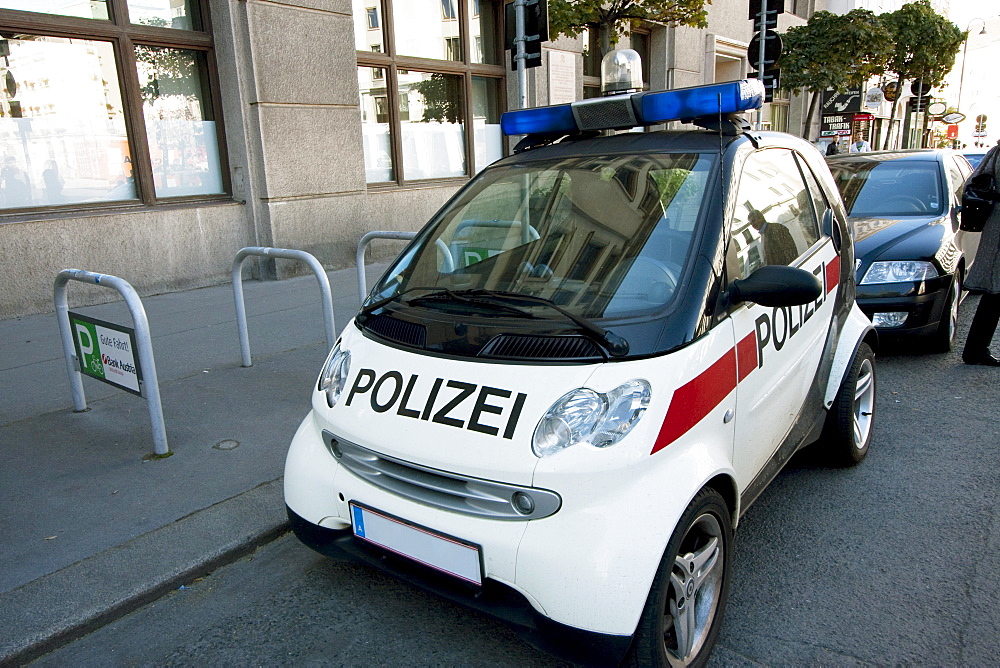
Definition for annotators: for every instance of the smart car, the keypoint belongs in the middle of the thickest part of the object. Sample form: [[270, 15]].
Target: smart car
[[904, 208], [559, 399]]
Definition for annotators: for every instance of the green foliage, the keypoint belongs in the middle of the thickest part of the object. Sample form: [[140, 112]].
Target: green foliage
[[925, 43], [835, 51], [571, 17]]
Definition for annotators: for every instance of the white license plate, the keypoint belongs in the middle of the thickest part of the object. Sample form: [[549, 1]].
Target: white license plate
[[443, 553]]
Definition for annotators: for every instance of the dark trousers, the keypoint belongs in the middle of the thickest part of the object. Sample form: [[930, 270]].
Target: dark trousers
[[984, 324]]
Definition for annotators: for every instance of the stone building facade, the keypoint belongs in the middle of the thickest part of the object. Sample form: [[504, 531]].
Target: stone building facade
[[152, 139]]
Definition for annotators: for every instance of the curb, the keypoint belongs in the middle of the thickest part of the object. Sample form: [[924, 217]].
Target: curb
[[60, 607]]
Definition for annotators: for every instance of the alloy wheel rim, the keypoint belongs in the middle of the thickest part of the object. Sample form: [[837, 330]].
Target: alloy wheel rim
[[953, 314], [695, 590], [864, 400]]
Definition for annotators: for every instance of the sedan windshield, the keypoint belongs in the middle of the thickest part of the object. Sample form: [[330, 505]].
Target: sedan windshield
[[599, 236], [889, 188]]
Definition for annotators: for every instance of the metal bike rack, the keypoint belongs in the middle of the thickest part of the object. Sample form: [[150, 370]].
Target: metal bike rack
[[150, 385], [287, 254], [359, 257]]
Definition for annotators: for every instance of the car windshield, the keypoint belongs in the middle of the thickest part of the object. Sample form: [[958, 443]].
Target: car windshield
[[889, 188], [600, 236]]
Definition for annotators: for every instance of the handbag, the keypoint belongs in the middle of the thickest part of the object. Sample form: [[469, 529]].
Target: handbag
[[979, 197]]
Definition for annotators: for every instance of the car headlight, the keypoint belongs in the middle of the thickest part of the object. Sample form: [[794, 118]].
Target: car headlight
[[586, 416], [334, 374], [899, 271]]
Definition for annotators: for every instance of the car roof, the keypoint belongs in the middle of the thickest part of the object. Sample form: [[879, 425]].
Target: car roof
[[915, 155], [662, 141]]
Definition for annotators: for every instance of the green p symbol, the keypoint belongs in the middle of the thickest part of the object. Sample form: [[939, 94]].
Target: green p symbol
[[90, 352]]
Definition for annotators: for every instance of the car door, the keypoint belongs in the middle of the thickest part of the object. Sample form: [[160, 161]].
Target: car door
[[958, 172], [775, 219]]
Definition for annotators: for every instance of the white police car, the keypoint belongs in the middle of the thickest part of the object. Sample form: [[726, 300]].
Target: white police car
[[559, 399]]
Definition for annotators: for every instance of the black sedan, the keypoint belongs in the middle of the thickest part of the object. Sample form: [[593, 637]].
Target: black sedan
[[911, 257]]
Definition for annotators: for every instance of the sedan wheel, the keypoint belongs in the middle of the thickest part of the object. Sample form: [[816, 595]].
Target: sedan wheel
[[943, 340]]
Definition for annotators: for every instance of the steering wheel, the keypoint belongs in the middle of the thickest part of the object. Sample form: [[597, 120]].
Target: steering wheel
[[651, 280], [904, 203]]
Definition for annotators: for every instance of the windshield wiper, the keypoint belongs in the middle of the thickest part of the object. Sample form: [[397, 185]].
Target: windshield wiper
[[374, 306], [614, 344], [470, 297]]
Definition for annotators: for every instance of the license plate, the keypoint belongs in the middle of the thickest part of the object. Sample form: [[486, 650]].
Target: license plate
[[443, 553]]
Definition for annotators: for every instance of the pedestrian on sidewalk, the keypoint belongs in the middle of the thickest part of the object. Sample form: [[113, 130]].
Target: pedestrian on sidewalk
[[984, 277], [860, 144]]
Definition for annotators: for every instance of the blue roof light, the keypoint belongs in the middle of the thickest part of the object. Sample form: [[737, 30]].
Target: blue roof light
[[649, 108], [710, 100], [540, 120]]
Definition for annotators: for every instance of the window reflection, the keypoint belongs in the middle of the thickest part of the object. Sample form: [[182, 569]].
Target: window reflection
[[87, 9], [486, 121], [180, 128], [427, 29], [434, 136], [367, 25], [483, 31], [375, 125], [62, 128], [179, 14]]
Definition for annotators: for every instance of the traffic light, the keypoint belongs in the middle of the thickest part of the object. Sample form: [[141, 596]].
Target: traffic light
[[536, 28], [765, 47]]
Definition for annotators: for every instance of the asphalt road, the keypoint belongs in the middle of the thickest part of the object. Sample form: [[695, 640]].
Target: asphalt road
[[891, 562]]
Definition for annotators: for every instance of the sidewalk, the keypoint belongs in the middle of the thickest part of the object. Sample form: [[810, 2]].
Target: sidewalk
[[92, 528]]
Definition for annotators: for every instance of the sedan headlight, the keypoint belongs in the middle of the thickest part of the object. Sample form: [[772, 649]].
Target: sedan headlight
[[899, 271], [333, 377], [586, 416]]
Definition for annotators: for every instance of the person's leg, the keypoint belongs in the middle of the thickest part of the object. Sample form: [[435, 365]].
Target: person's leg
[[984, 325]]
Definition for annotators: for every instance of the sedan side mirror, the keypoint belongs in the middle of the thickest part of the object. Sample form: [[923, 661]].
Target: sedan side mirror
[[776, 285]]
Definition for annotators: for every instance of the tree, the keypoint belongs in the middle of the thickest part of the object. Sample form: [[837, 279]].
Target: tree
[[833, 51], [925, 46], [571, 17]]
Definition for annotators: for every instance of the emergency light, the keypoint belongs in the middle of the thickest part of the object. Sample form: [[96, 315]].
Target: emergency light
[[638, 109]]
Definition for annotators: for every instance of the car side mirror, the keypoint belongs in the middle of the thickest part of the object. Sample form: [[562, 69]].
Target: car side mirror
[[776, 285]]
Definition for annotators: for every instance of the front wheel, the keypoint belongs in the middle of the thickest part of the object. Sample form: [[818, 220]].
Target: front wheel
[[943, 339], [684, 610], [848, 430]]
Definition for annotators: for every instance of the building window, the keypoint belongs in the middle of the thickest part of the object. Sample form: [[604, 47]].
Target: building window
[[372, 18], [591, 61], [422, 120], [640, 42], [72, 135]]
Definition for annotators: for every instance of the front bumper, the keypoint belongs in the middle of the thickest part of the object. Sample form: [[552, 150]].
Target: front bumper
[[924, 303], [494, 599]]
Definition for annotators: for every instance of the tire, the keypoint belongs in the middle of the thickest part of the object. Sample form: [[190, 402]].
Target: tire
[[848, 430], [943, 340], [695, 567]]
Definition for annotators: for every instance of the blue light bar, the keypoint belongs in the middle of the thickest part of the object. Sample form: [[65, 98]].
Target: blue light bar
[[540, 120], [710, 100], [650, 108]]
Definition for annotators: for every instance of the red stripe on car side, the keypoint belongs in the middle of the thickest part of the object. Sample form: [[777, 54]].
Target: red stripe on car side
[[696, 399], [746, 355], [833, 273]]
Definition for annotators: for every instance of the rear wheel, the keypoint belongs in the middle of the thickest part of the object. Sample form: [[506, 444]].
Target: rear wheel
[[848, 429], [943, 340], [684, 610]]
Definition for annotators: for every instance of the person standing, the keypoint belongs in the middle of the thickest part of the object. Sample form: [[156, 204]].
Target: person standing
[[832, 148], [984, 277], [859, 145]]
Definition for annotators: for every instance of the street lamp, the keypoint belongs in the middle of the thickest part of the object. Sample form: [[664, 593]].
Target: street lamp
[[965, 51]]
